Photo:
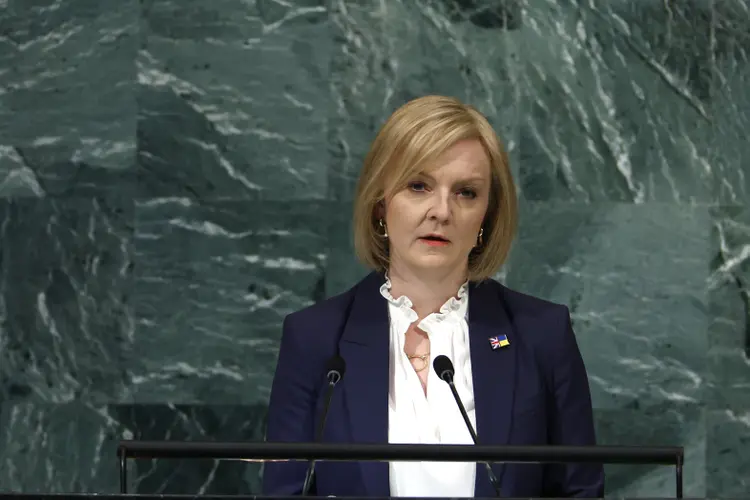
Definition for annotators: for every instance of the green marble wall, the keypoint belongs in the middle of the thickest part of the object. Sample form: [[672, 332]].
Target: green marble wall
[[176, 176]]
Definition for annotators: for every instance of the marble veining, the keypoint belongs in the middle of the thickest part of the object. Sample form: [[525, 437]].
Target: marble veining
[[177, 176]]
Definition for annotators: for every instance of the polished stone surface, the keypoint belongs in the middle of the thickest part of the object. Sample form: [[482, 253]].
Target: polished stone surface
[[634, 278], [213, 283], [617, 101], [391, 52], [177, 176]]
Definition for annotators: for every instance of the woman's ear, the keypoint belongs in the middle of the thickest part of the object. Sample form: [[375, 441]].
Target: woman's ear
[[380, 210]]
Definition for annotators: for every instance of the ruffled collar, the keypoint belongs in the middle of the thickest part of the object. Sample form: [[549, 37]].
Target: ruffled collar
[[454, 306]]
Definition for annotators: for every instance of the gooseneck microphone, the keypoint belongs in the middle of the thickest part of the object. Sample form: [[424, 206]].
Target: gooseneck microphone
[[444, 369], [335, 369]]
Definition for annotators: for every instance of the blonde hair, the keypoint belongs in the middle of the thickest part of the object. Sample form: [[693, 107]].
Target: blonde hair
[[416, 133]]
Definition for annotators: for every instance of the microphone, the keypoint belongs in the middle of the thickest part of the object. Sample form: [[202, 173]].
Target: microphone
[[335, 369], [444, 369]]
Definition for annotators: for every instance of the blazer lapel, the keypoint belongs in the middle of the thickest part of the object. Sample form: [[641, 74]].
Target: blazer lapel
[[493, 374], [365, 348]]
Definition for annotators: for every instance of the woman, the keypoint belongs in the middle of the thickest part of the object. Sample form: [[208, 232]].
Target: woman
[[434, 217]]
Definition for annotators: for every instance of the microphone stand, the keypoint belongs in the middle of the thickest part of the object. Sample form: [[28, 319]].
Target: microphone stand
[[446, 374], [333, 378]]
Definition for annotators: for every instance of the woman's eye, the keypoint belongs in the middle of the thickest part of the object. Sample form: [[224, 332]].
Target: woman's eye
[[468, 193], [417, 186]]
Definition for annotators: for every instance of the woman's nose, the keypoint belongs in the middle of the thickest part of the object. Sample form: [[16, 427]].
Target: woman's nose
[[440, 208]]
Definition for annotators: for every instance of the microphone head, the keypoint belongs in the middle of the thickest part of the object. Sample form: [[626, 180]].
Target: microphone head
[[443, 368], [335, 369]]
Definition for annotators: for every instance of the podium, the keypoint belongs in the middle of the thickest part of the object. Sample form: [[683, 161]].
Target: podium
[[265, 451], [97, 496]]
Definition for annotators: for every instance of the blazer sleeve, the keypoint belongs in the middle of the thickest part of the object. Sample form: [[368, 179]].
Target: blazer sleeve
[[571, 419], [291, 409]]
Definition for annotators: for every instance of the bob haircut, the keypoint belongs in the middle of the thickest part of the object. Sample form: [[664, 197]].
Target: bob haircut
[[409, 141]]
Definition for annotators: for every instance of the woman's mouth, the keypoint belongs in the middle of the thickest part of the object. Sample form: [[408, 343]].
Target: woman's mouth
[[434, 240]]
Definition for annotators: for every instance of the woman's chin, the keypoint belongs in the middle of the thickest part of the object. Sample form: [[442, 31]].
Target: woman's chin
[[437, 261]]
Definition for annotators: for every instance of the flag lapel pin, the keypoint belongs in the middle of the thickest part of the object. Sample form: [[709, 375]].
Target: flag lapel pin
[[499, 341]]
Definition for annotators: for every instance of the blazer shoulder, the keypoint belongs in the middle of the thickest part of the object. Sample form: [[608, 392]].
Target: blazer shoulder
[[524, 306], [545, 327], [323, 316], [541, 322]]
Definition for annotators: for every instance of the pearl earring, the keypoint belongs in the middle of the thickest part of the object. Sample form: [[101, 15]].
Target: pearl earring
[[385, 229]]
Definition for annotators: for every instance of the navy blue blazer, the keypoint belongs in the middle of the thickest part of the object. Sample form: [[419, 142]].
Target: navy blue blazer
[[532, 392]]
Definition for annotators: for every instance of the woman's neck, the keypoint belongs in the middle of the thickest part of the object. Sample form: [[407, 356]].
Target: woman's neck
[[427, 291]]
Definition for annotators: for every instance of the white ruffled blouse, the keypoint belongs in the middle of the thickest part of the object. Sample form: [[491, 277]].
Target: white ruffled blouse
[[434, 418]]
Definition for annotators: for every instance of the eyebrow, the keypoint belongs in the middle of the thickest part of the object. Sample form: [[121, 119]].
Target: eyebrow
[[469, 180]]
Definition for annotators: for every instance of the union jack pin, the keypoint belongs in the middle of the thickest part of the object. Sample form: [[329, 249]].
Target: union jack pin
[[499, 341]]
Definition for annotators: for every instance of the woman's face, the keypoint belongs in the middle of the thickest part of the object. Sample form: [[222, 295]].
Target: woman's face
[[434, 221]]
